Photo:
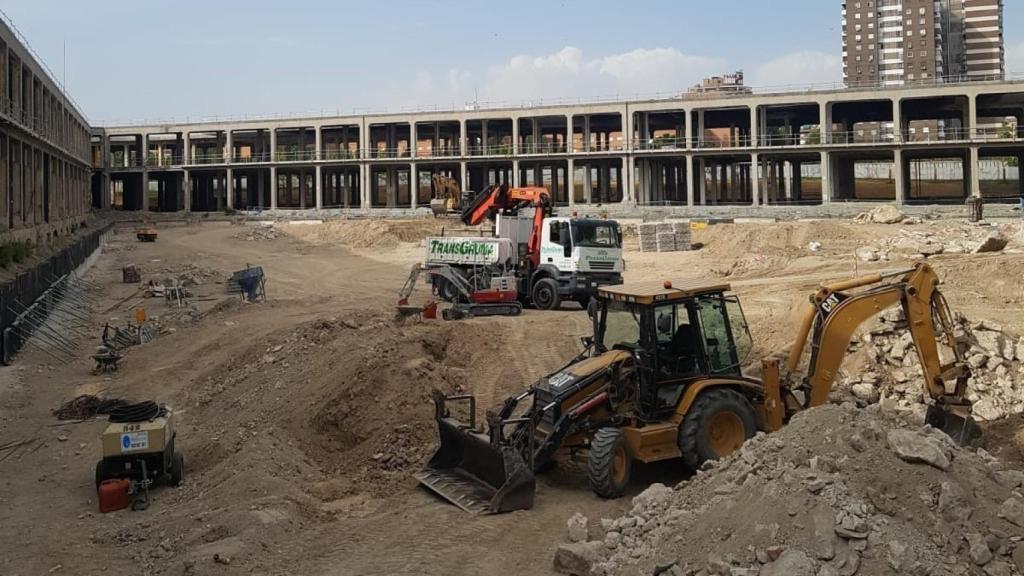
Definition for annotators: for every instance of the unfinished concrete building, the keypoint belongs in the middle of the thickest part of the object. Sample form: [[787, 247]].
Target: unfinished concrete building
[[45, 162], [806, 148]]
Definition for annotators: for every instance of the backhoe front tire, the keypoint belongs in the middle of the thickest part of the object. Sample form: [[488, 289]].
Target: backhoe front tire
[[717, 424], [610, 463], [545, 295]]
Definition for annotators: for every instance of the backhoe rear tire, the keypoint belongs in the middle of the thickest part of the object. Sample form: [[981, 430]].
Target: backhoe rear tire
[[610, 463], [717, 424], [545, 295]]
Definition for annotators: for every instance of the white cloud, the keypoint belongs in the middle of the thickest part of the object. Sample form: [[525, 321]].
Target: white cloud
[[807, 67], [570, 74], [1015, 59]]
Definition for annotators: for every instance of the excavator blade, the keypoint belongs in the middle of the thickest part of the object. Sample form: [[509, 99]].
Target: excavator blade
[[470, 472], [956, 423]]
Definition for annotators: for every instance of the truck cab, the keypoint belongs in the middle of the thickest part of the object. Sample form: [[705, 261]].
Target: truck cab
[[577, 256]]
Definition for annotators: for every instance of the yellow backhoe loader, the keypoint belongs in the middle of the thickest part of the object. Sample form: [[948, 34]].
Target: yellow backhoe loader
[[661, 378]]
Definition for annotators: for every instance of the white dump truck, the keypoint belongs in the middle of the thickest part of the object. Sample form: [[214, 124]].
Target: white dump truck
[[552, 258]]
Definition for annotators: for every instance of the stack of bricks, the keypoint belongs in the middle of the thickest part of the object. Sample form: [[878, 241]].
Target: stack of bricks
[[664, 236], [648, 237]]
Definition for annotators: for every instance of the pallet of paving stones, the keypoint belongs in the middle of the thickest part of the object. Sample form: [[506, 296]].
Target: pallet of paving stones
[[648, 234]]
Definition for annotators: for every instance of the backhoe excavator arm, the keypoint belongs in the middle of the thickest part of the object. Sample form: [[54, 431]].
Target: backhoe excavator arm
[[835, 313]]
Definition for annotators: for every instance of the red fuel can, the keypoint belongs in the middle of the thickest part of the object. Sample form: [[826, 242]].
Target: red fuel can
[[113, 495]]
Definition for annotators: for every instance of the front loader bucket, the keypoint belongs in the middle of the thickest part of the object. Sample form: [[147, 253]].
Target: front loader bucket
[[957, 424], [475, 475]]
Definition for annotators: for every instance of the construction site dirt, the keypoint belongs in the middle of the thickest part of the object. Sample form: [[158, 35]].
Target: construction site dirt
[[303, 417]]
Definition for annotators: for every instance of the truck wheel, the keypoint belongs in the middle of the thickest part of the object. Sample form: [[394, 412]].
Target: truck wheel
[[447, 291], [177, 469], [610, 463], [717, 424], [545, 295]]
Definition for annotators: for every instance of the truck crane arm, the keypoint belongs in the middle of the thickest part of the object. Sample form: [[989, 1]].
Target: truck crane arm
[[835, 313], [507, 200]]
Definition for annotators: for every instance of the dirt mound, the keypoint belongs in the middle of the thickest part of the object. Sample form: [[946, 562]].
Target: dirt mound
[[840, 490], [352, 395], [365, 233]]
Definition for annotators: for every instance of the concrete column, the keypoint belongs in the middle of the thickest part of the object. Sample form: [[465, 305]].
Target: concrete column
[[273, 187], [145, 190], [690, 179], [699, 136], [273, 156], [463, 143], [897, 120], [826, 179], [975, 189], [588, 184], [586, 133], [365, 193], [261, 194], [971, 122], [414, 185], [186, 190], [229, 148], [229, 189], [626, 180], [825, 127], [464, 175], [570, 176], [787, 175], [515, 173], [690, 122], [568, 134], [319, 192], [755, 179], [485, 147], [515, 144], [413, 139], [755, 130], [899, 176]]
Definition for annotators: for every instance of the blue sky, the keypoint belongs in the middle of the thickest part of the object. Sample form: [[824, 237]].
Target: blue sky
[[162, 59]]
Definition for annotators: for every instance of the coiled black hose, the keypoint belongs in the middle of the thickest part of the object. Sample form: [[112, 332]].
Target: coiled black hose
[[138, 412]]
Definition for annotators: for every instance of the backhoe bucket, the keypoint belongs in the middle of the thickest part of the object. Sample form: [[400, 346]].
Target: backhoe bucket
[[957, 424], [475, 474]]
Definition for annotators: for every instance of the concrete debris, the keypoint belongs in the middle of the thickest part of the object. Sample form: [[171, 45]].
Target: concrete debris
[[995, 357], [578, 528], [862, 517], [916, 447], [952, 239], [258, 233], [886, 214], [576, 559]]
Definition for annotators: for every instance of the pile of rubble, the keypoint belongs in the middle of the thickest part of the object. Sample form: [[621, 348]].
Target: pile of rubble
[[839, 491], [951, 239], [996, 359], [188, 275], [886, 214], [258, 233]]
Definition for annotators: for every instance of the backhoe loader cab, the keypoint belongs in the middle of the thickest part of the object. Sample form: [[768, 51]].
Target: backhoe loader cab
[[676, 334]]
